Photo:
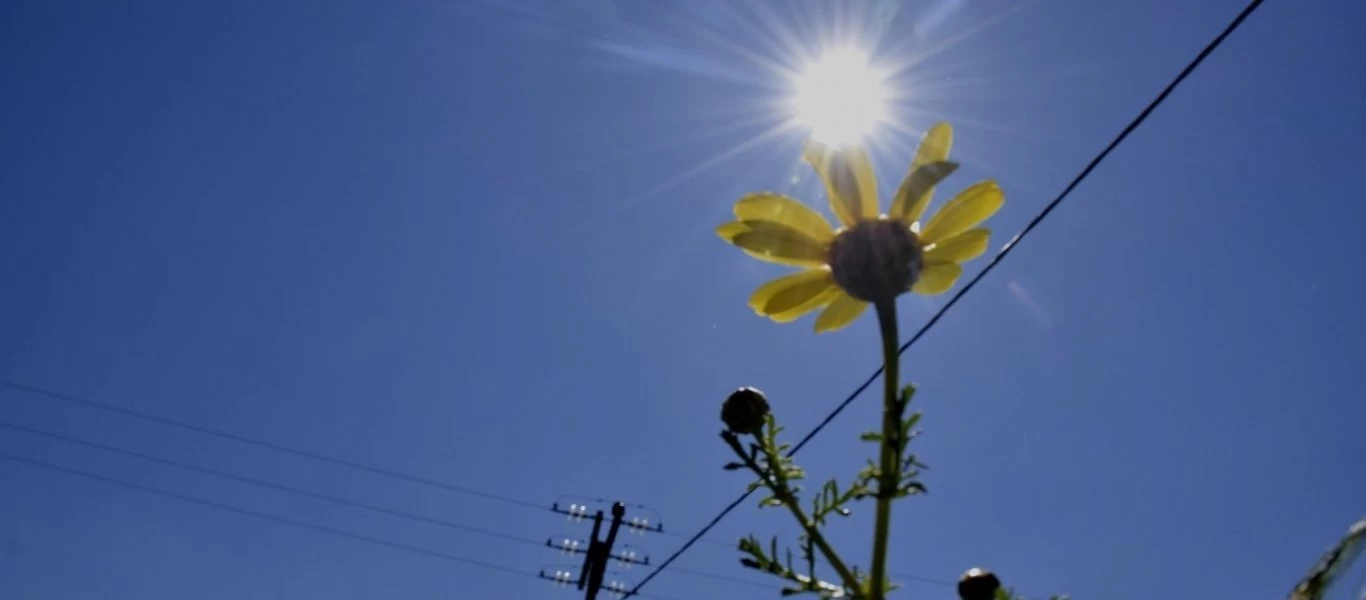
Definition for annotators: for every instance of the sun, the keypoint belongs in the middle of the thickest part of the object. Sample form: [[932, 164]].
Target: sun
[[840, 97]]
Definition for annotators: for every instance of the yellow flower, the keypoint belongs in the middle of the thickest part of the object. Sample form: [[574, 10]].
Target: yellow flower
[[873, 257]]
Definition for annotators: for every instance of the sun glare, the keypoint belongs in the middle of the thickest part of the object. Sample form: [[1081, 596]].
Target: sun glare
[[840, 97]]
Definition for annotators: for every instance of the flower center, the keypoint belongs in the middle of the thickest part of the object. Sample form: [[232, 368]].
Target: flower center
[[876, 260]]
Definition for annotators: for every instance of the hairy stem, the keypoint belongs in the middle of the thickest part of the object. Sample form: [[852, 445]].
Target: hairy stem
[[776, 482], [890, 468], [814, 534]]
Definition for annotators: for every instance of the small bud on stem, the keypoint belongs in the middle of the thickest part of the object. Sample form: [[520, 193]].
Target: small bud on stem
[[744, 411], [978, 584]]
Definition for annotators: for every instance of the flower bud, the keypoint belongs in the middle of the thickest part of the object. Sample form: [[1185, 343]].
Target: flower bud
[[978, 584], [744, 411]]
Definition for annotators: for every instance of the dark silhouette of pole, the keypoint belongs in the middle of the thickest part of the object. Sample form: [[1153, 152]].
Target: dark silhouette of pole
[[588, 556], [599, 552]]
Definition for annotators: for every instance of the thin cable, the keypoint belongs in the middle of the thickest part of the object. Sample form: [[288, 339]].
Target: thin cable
[[282, 520], [260, 515], [996, 260], [315, 495], [1043, 214], [713, 541], [273, 486], [732, 545], [635, 591], [725, 578], [769, 585], [128, 412]]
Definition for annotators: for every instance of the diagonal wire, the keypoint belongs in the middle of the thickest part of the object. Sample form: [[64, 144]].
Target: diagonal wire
[[287, 489], [329, 498], [732, 544], [128, 412], [725, 578], [1138, 120]]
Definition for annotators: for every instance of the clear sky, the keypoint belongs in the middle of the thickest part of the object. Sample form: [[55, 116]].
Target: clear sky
[[472, 241]]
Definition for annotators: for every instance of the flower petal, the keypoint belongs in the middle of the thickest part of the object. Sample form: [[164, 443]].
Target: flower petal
[[728, 231], [965, 211], [786, 298], [934, 147], [784, 210], [820, 300], [937, 278], [849, 180], [960, 248], [840, 313], [776, 243], [915, 191]]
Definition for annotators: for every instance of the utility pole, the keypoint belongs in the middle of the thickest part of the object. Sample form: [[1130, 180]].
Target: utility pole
[[598, 552]]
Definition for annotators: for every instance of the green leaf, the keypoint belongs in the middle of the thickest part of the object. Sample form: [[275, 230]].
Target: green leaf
[[733, 466], [871, 436], [906, 434], [910, 421], [907, 393], [913, 488]]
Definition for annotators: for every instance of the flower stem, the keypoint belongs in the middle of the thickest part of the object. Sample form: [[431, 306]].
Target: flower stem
[[890, 469], [775, 481], [814, 533]]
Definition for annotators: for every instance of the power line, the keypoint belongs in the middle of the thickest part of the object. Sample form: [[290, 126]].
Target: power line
[[769, 585], [996, 260], [725, 578], [277, 519], [128, 412], [273, 486], [732, 545], [269, 517], [310, 494]]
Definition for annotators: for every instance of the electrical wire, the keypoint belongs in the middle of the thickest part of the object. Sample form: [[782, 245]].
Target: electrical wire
[[1138, 120], [725, 578], [996, 260], [906, 576], [268, 517], [277, 519], [151, 418], [309, 494], [271, 485], [314, 495]]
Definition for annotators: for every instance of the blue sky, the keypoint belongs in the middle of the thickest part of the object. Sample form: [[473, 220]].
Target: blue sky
[[471, 241]]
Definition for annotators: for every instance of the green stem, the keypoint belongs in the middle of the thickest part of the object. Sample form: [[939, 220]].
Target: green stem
[[890, 470], [783, 493], [814, 534]]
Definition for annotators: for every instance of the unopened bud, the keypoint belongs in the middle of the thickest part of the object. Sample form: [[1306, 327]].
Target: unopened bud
[[978, 584], [744, 411]]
